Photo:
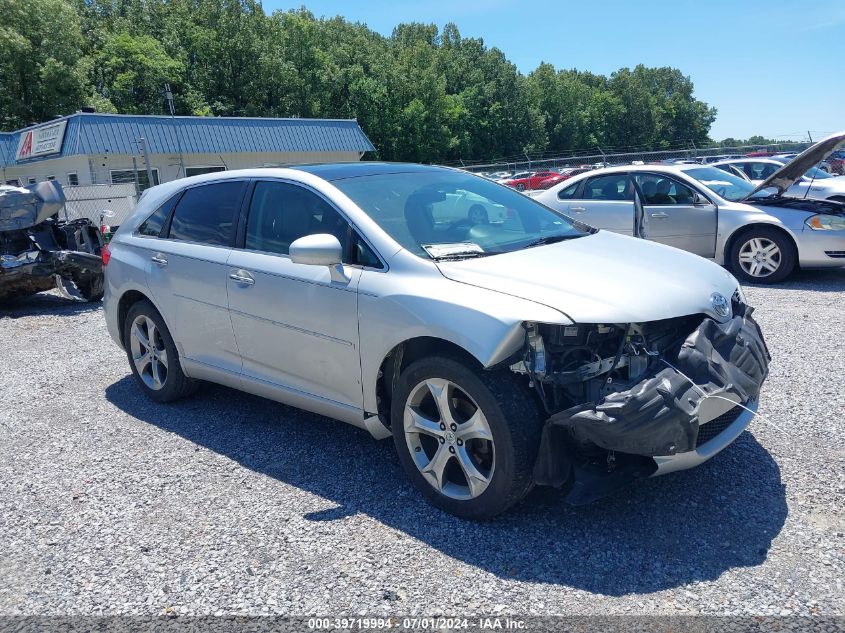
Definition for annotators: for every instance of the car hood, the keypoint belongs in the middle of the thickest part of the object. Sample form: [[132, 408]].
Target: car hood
[[602, 278], [792, 172]]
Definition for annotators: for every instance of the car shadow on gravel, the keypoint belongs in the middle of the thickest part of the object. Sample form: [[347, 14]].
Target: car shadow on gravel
[[823, 280], [45, 303], [658, 534]]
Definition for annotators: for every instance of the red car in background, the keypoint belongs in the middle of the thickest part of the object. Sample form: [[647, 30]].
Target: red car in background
[[532, 180]]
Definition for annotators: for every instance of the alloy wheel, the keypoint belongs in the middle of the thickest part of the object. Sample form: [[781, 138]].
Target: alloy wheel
[[449, 439], [759, 257], [148, 352]]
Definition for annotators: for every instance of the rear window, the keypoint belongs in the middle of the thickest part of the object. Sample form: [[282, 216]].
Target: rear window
[[208, 214]]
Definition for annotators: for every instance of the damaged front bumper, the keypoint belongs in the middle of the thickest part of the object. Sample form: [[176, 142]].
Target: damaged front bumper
[[77, 275], [693, 400]]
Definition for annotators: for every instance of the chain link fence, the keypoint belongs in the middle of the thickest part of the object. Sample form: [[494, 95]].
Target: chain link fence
[[599, 158], [90, 201]]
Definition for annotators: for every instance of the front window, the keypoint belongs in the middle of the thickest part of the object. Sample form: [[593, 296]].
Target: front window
[[723, 184], [661, 190], [451, 215]]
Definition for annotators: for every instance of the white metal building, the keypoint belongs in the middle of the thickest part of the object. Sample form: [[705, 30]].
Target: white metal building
[[107, 149]]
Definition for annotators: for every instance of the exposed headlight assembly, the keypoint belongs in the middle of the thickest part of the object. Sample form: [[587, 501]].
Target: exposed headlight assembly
[[824, 222]]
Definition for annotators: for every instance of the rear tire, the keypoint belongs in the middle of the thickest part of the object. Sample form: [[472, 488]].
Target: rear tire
[[762, 255], [476, 460], [152, 355]]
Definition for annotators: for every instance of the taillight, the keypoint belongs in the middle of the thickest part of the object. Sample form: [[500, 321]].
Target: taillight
[[105, 253]]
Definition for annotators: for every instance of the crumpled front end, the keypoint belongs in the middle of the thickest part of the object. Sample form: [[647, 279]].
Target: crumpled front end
[[53, 254], [621, 395], [38, 251]]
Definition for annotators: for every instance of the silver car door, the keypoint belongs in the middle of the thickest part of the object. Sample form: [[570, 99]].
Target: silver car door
[[677, 215], [606, 202], [294, 325], [187, 273]]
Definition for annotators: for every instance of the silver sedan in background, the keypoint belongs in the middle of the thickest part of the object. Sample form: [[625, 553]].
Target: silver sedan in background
[[814, 183], [762, 233]]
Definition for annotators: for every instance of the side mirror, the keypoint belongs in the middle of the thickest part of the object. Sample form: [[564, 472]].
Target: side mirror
[[698, 200], [321, 249]]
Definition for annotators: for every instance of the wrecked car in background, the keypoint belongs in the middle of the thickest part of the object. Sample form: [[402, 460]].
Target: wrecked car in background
[[39, 251], [499, 355]]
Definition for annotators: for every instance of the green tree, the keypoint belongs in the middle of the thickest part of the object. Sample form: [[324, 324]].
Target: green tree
[[131, 71], [42, 69]]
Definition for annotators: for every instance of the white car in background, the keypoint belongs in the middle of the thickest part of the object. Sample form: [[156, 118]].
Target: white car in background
[[761, 233], [815, 183], [462, 205]]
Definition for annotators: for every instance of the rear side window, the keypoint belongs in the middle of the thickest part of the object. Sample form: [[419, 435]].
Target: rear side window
[[208, 214], [151, 227]]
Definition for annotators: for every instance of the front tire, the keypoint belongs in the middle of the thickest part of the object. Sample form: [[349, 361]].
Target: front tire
[[152, 355], [763, 255], [467, 438]]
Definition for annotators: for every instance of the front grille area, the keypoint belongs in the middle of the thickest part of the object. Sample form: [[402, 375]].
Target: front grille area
[[711, 429], [837, 254]]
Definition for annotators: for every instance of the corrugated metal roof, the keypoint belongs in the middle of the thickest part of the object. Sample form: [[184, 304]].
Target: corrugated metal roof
[[8, 146], [119, 133]]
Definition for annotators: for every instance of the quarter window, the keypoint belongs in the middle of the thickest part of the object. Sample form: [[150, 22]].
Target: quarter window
[[208, 213], [567, 193], [151, 227]]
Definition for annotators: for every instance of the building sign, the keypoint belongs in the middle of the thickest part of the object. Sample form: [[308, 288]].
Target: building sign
[[41, 141]]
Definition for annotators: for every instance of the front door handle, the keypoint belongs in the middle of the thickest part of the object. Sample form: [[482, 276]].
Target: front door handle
[[660, 215], [577, 209], [159, 259], [242, 277]]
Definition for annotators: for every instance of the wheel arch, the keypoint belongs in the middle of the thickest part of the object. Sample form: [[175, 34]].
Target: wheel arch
[[403, 354], [746, 228], [125, 303]]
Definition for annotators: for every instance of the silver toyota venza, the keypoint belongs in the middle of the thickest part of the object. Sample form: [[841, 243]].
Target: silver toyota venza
[[501, 343]]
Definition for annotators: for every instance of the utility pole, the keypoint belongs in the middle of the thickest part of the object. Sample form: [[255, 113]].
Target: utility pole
[[135, 173], [142, 143], [168, 95]]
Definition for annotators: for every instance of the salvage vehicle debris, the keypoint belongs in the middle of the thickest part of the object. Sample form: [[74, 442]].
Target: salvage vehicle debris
[[39, 251]]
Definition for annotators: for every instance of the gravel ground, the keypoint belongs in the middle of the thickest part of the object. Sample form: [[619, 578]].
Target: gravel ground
[[229, 504]]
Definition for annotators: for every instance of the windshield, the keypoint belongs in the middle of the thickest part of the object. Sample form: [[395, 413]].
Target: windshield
[[443, 214], [723, 184], [817, 174]]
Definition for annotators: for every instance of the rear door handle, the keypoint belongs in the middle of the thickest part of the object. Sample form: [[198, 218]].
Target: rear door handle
[[159, 259], [242, 277], [577, 209], [660, 215]]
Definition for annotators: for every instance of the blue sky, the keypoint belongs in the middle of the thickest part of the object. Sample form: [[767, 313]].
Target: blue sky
[[771, 67]]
